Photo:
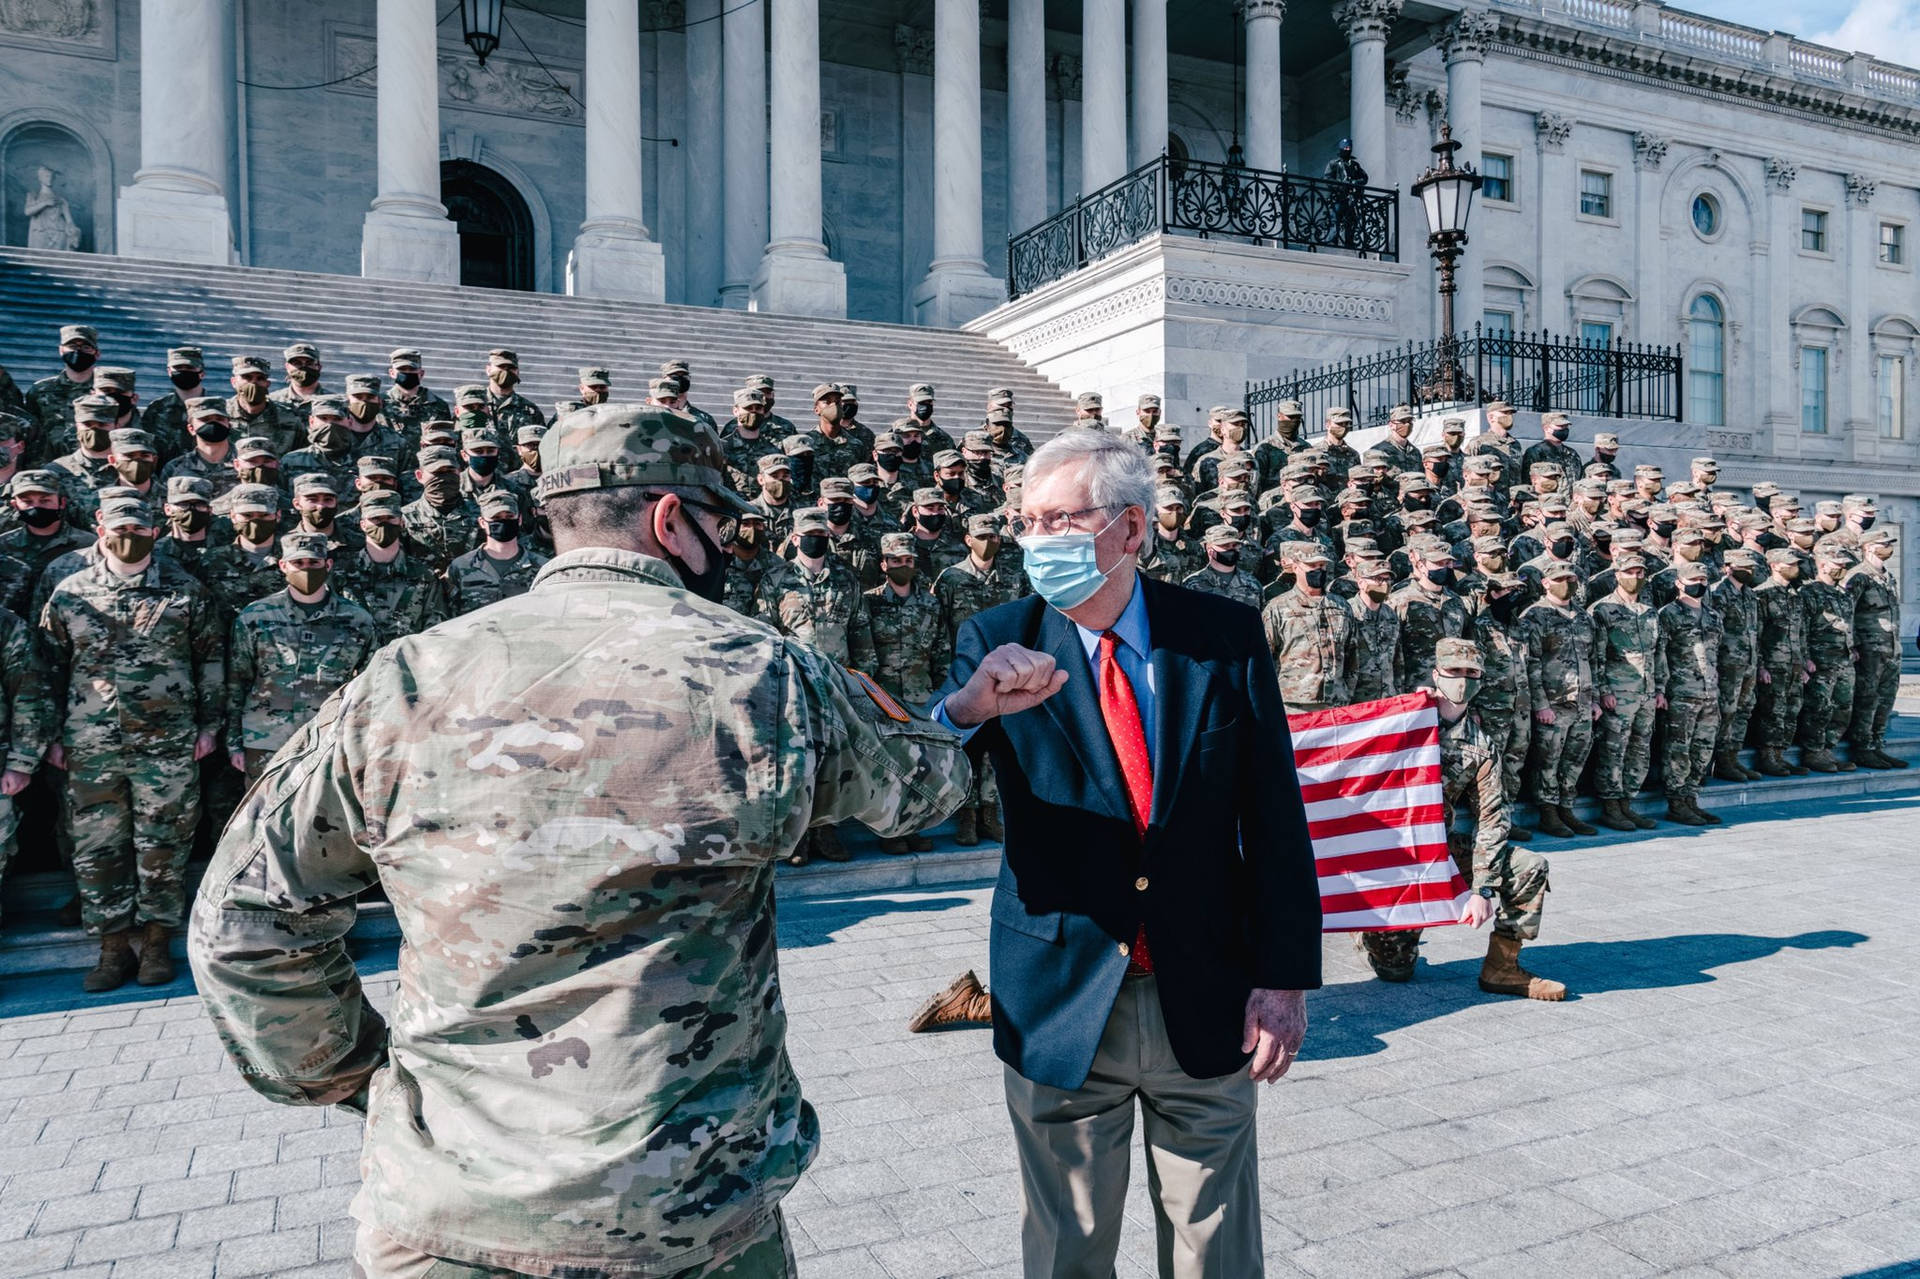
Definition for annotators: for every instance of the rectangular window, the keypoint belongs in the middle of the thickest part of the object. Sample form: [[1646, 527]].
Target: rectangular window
[[1893, 244], [1497, 325], [1595, 371], [1496, 177], [1706, 375], [1813, 230], [1892, 393], [1596, 194], [1813, 389]]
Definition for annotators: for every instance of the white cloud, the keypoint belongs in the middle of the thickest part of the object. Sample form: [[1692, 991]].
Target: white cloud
[[1887, 29]]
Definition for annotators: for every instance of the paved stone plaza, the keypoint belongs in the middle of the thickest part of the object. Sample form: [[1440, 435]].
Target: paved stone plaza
[[1733, 1093]]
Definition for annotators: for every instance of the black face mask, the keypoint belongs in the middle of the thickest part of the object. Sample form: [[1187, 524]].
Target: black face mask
[[813, 545], [952, 484], [214, 432], [1416, 503], [911, 450], [78, 361], [483, 464], [41, 517], [801, 467], [1561, 547], [1665, 529], [1241, 522], [185, 379], [888, 462], [981, 471], [1226, 559], [839, 512], [1309, 516], [931, 523], [1694, 590], [1866, 522], [1501, 606], [503, 530], [1440, 576], [711, 584], [1315, 578], [406, 381], [924, 412]]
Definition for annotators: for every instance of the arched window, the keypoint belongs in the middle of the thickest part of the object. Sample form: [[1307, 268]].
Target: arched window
[[1706, 362]]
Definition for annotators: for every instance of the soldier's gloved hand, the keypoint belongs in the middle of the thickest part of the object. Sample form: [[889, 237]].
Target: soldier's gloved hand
[[204, 745], [14, 781], [1544, 715]]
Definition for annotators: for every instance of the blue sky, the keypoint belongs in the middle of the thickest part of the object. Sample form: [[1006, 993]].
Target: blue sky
[[1887, 29]]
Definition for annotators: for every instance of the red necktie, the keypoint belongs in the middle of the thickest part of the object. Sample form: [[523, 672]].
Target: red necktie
[[1122, 714]]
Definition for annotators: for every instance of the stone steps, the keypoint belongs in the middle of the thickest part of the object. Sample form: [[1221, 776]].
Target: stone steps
[[33, 941], [142, 308]]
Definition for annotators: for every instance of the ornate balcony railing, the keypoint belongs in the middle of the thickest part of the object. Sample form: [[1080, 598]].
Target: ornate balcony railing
[[1535, 371], [1213, 200]]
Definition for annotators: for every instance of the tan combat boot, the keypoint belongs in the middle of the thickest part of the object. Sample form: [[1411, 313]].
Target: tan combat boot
[[117, 963], [1613, 816], [156, 961], [966, 827], [1574, 824], [963, 1003], [1502, 974], [990, 823]]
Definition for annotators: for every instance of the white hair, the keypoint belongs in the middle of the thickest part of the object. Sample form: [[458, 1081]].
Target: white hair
[[1116, 473]]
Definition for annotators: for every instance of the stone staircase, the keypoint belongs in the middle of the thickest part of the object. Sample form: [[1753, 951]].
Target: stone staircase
[[141, 308]]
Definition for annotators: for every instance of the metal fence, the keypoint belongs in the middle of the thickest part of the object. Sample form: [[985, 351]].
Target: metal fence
[[1209, 200], [1535, 371]]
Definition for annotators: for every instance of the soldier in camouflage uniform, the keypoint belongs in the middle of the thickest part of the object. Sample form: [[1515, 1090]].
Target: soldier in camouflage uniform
[[49, 402], [750, 556], [288, 652], [1498, 441], [1223, 574], [1011, 447], [134, 646], [248, 567], [1505, 705], [778, 427], [1288, 440], [166, 418], [252, 413], [387, 578], [909, 646], [32, 718], [1559, 639], [639, 819], [189, 512], [853, 541], [1626, 641], [1732, 597], [1782, 666], [507, 409], [295, 399], [1377, 630], [1312, 635], [746, 442], [988, 577], [1876, 634], [329, 450], [407, 404], [369, 434], [1402, 453], [937, 543], [1827, 707], [441, 523], [39, 500], [1552, 447], [776, 500], [210, 455], [1169, 554], [1428, 610], [316, 508], [88, 468], [1688, 674], [501, 566], [1342, 458], [835, 449]]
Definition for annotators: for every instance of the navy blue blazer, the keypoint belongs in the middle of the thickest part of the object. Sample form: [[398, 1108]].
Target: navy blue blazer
[[1224, 880]]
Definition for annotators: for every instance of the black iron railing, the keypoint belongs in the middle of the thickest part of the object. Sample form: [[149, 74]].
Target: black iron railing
[[1197, 198], [1536, 371]]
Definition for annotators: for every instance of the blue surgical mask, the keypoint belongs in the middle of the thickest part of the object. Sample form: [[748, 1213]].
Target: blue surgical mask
[[1064, 567]]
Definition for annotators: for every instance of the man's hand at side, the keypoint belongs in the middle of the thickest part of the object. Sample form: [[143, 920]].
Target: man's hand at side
[[1276, 1023], [1008, 680]]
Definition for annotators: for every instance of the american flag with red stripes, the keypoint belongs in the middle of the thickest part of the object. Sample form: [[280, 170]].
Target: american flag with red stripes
[[1370, 775]]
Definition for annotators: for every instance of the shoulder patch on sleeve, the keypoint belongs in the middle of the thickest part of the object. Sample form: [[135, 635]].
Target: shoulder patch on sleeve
[[892, 709]]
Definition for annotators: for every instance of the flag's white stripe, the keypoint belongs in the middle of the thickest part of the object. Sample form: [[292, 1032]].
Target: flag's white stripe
[[1376, 801], [1369, 841], [1409, 913], [1360, 729], [1366, 765], [1366, 881]]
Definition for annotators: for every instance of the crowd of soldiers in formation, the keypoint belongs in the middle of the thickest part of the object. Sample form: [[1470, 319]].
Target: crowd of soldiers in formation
[[185, 581]]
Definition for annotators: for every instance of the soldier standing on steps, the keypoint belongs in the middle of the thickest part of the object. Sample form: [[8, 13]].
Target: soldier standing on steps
[[507, 409], [1626, 638], [1688, 672], [49, 402], [1733, 599], [1223, 574], [32, 719], [982, 581], [1876, 633], [1827, 707], [1559, 639], [1782, 665], [910, 653]]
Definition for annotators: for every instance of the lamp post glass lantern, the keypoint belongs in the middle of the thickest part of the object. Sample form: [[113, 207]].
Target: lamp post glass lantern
[[480, 21], [1445, 192]]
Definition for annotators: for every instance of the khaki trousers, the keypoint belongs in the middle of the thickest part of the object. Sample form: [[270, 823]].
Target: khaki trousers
[[1202, 1159]]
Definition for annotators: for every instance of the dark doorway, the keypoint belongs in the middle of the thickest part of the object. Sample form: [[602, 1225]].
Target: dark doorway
[[496, 230]]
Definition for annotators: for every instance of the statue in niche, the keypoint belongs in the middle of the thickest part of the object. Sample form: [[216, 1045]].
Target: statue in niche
[[50, 223]]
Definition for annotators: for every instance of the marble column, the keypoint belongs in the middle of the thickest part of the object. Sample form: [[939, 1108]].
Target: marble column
[[407, 235], [795, 275], [1366, 23], [1103, 116], [1464, 42], [1650, 307], [705, 160], [1265, 139], [743, 128], [176, 206], [1557, 199], [1149, 80], [614, 256], [957, 287], [1777, 385], [1026, 114], [1863, 252]]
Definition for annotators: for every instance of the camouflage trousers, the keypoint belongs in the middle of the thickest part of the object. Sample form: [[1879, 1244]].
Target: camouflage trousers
[[1827, 705], [1559, 753], [1776, 708], [1693, 731], [1736, 706], [984, 792], [1875, 684], [1510, 731], [133, 823], [378, 1255], [221, 786], [1523, 898], [1623, 746], [9, 828]]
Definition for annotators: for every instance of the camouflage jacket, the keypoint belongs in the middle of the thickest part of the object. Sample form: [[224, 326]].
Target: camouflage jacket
[[220, 475], [1172, 560], [338, 467], [1739, 624], [935, 555], [1376, 640], [966, 589], [1237, 585], [859, 549], [32, 714], [49, 408], [408, 414], [24, 554], [1426, 618], [1315, 643], [1342, 460], [441, 536], [1783, 625], [476, 579], [1405, 453], [59, 569], [575, 804], [823, 608], [506, 417], [287, 429], [1829, 623], [1687, 661], [165, 420], [836, 456], [1503, 659], [911, 652], [136, 661], [1507, 449], [1470, 774], [743, 461], [1876, 608], [1626, 636], [1569, 462], [404, 596], [284, 659], [743, 579], [237, 577], [1560, 656], [383, 440]]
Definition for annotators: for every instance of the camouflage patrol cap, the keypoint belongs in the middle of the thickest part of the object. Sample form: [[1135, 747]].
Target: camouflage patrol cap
[[608, 446], [848, 392], [1430, 549], [96, 408], [113, 378], [811, 519], [663, 387], [1237, 414], [1590, 488], [1689, 536], [759, 381], [1400, 413], [304, 546], [130, 439], [1538, 469], [795, 445], [749, 397], [977, 441], [1690, 571], [1558, 569], [1234, 499], [983, 524], [497, 503], [1339, 413], [120, 512], [1704, 464], [596, 377], [929, 497], [182, 489], [1413, 482], [1363, 546], [1453, 426], [836, 488], [113, 491], [249, 364], [531, 432], [1481, 464], [1606, 440], [363, 383], [328, 405], [675, 365], [202, 407], [1802, 524], [1419, 519], [1557, 528], [1506, 579], [372, 465], [1169, 495], [1828, 507], [472, 438], [1147, 401], [768, 463], [898, 425], [824, 390], [1377, 457], [314, 483], [1648, 469], [1166, 433], [1238, 464], [439, 435], [1350, 496], [1372, 567], [1555, 417], [403, 357], [1619, 488], [253, 446], [1746, 557], [438, 456], [254, 497], [185, 356], [1487, 544], [1859, 502], [1836, 553], [469, 393], [1435, 452], [1451, 652], [35, 482], [1782, 555], [1629, 562], [948, 457], [863, 473], [501, 355], [896, 544], [14, 427], [1000, 395], [300, 351], [1597, 471], [1785, 501], [1287, 408], [1000, 415], [1877, 536], [1222, 535], [1304, 553], [79, 333], [1498, 406], [382, 502], [1088, 400], [920, 393]]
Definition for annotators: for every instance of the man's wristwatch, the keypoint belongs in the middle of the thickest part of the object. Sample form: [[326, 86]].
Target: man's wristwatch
[[1488, 893]]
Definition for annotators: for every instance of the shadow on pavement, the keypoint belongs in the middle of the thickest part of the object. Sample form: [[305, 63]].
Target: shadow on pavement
[[812, 921], [37, 993]]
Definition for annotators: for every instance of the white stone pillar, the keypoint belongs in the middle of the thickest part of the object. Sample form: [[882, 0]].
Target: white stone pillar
[[1776, 379], [1863, 250], [1366, 23], [176, 206], [1265, 140], [1026, 114], [407, 235], [614, 256], [706, 165], [744, 129], [957, 287], [1103, 117], [1558, 192], [1464, 43], [795, 276], [1650, 308], [1149, 80]]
